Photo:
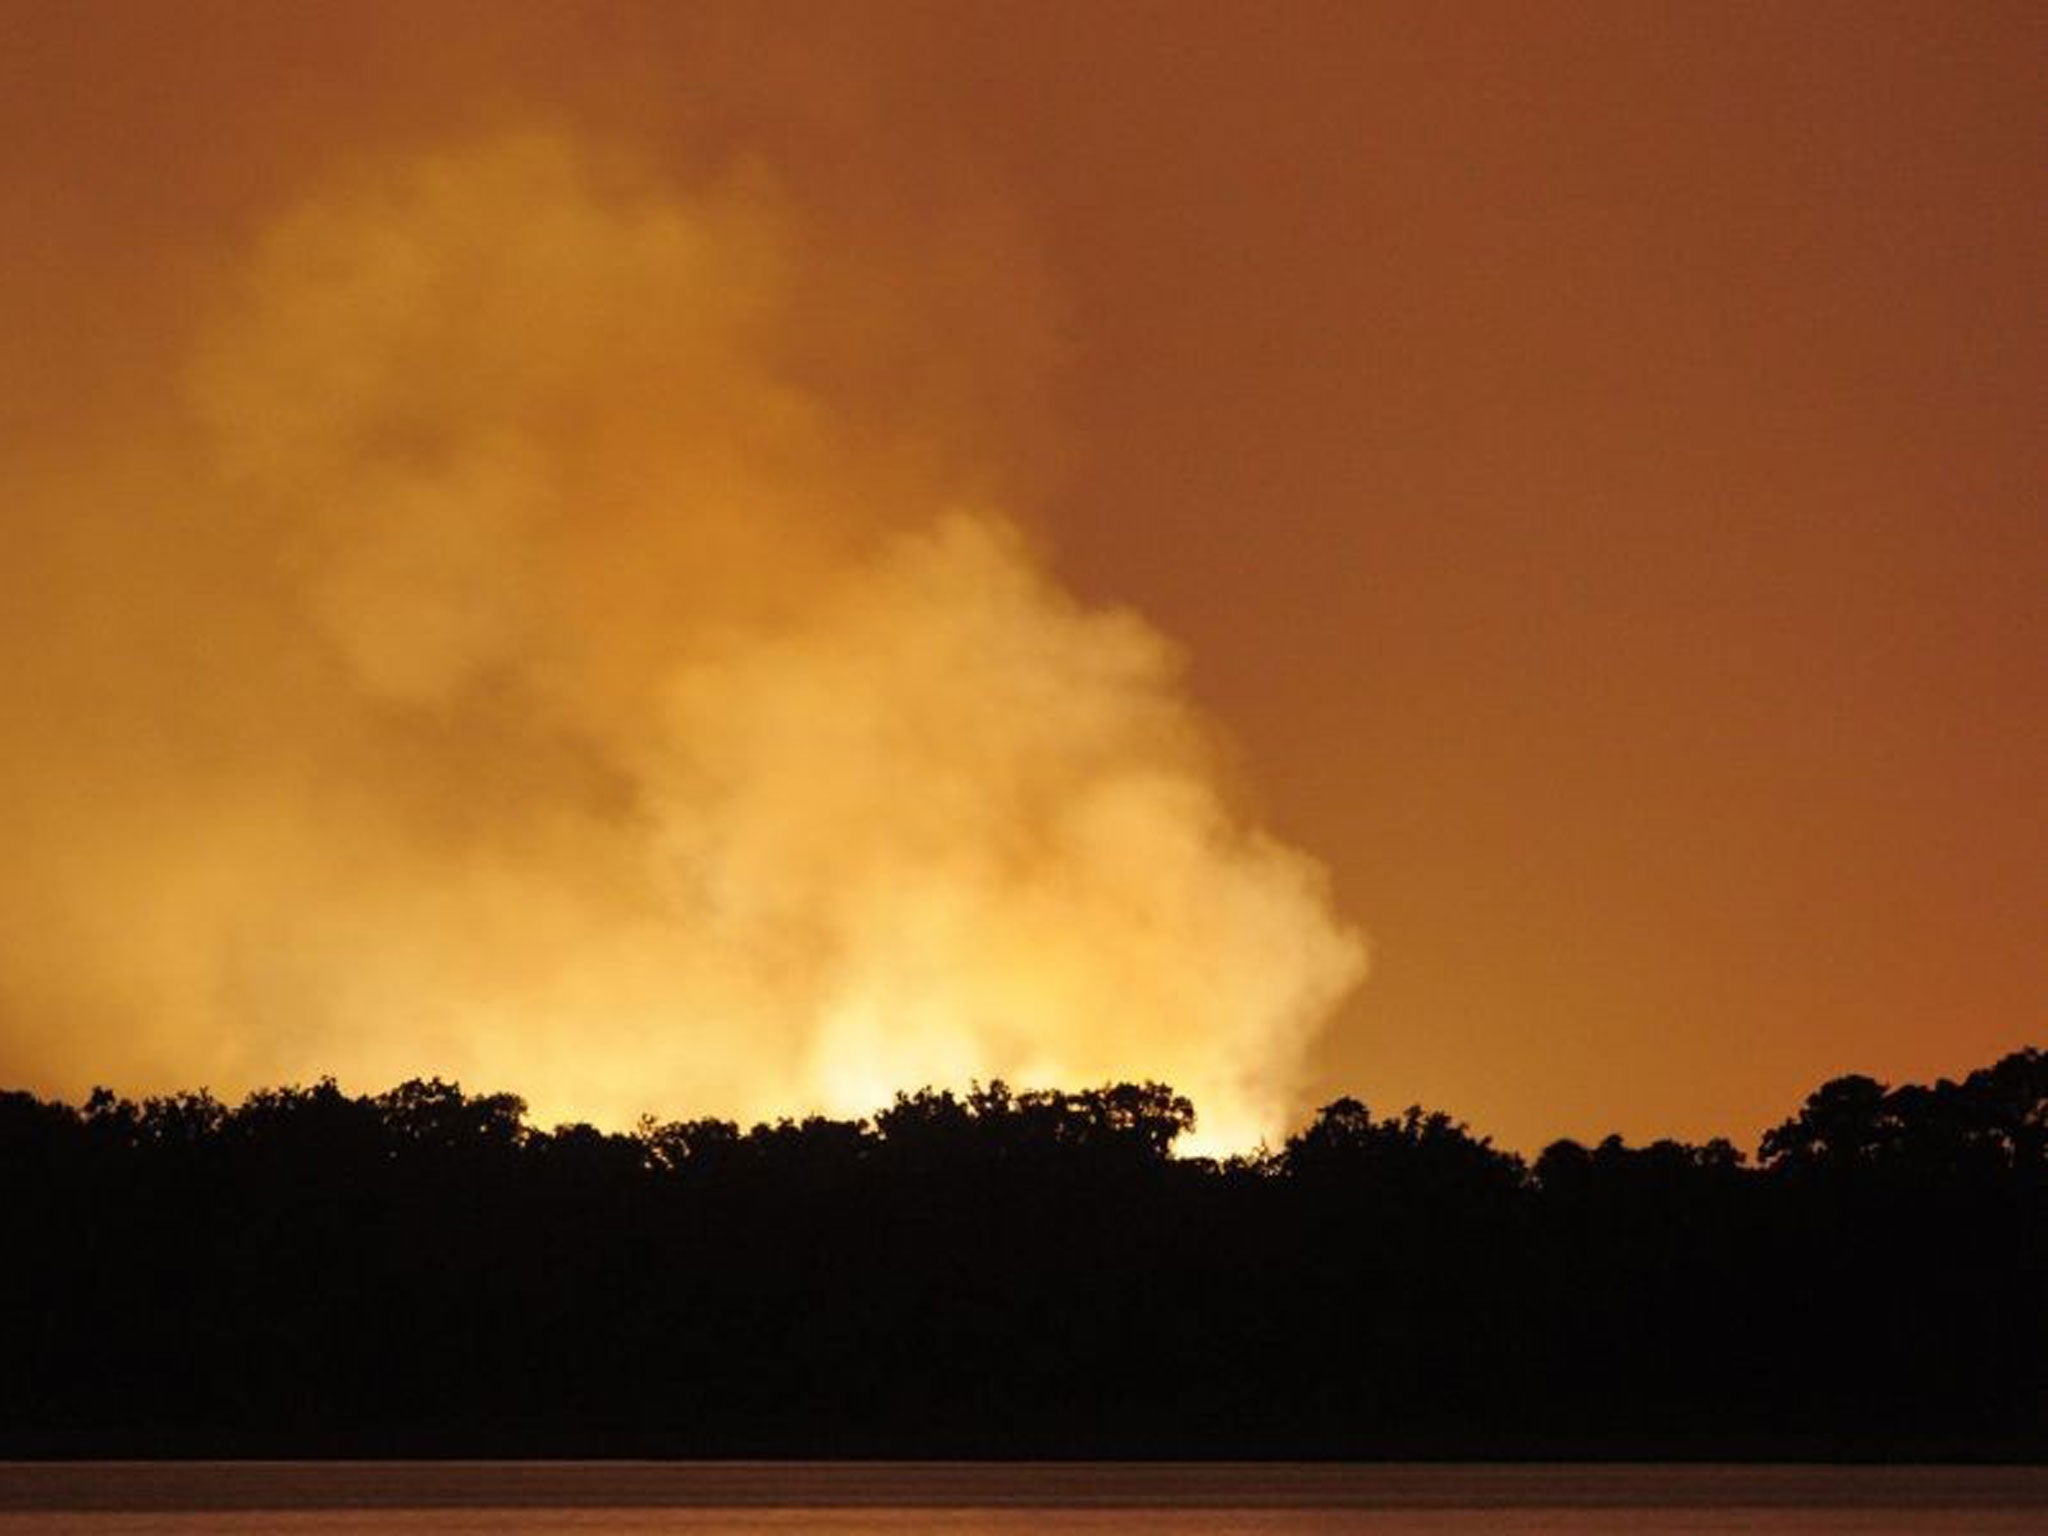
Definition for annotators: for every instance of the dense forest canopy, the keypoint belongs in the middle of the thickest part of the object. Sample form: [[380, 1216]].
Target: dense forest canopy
[[1019, 1272]]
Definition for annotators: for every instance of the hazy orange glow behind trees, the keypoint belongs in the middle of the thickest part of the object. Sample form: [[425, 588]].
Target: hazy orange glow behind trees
[[1591, 460]]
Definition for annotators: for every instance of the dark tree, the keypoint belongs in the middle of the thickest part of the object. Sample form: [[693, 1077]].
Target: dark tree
[[1007, 1272]]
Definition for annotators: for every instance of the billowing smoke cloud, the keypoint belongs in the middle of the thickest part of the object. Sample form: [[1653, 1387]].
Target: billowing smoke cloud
[[543, 660]]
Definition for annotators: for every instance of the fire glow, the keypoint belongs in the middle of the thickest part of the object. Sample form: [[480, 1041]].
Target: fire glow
[[533, 671]]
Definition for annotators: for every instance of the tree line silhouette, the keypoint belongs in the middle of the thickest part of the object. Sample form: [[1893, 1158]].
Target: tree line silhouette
[[420, 1272]]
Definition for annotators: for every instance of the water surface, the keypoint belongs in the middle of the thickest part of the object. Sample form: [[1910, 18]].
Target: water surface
[[968, 1499]]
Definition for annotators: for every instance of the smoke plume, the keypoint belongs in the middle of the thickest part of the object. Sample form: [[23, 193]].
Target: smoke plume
[[547, 655]]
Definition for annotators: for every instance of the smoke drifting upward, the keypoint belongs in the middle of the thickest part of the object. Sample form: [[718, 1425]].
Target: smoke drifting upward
[[545, 661]]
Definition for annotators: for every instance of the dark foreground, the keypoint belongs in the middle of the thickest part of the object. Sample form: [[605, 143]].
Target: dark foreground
[[421, 1274], [218, 1485]]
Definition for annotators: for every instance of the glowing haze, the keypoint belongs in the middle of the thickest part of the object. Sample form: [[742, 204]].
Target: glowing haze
[[478, 476], [541, 660]]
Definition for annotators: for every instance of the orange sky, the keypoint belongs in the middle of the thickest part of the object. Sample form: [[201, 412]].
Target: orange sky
[[1589, 455]]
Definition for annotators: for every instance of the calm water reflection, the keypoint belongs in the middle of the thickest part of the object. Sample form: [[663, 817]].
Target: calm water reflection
[[752, 1499]]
